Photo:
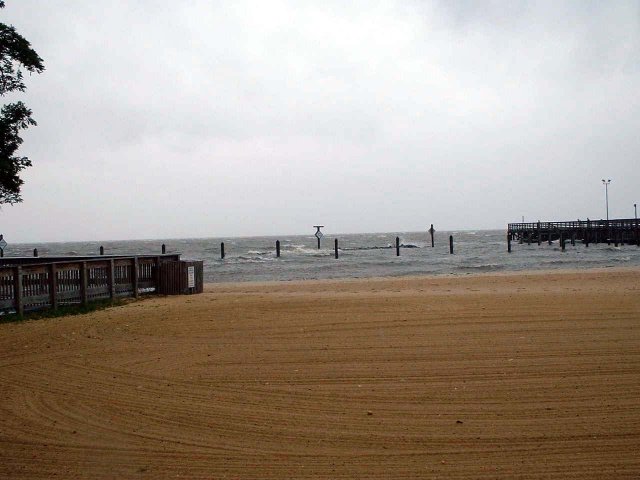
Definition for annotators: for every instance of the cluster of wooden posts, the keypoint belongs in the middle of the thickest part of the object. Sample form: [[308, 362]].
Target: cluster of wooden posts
[[28, 284], [336, 249], [618, 232]]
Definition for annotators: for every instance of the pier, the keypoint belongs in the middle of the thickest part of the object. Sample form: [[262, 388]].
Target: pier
[[618, 231]]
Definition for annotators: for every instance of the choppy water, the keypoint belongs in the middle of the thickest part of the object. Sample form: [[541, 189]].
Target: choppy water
[[361, 255]]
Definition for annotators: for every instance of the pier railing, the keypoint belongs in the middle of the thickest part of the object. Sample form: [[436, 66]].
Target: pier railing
[[625, 223], [28, 284]]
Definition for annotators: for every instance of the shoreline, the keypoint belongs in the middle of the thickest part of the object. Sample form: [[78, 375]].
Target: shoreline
[[435, 276]]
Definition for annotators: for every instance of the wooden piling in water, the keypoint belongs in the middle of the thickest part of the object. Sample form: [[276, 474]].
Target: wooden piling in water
[[431, 232], [101, 250], [539, 236], [278, 248], [451, 244], [508, 242], [397, 246], [164, 249], [35, 252], [562, 241], [573, 239], [222, 250], [335, 247]]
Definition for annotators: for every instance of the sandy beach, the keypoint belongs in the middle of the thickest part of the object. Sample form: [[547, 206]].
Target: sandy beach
[[471, 377]]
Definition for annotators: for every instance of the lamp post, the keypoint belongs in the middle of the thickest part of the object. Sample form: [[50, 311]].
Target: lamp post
[[606, 194]]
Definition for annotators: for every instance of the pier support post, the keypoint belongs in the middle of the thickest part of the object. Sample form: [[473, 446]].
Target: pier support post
[[101, 250], [451, 244], [335, 247], [509, 242], [222, 250], [529, 235], [277, 248], [164, 249], [431, 232], [539, 232], [562, 241], [573, 239], [397, 246]]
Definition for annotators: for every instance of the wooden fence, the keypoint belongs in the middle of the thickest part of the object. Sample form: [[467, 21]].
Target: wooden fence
[[40, 283]]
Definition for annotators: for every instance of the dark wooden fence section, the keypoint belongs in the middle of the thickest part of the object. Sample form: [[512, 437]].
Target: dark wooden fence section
[[588, 231], [28, 284]]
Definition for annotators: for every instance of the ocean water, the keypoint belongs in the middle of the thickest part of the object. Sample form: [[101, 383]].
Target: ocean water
[[361, 255]]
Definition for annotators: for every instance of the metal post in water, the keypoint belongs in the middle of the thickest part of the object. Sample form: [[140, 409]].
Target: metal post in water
[[318, 233]]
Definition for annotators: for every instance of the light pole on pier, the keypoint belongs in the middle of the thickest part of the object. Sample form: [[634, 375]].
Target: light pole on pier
[[606, 194]]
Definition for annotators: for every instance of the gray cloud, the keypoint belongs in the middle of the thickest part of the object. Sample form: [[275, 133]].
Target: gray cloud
[[159, 119]]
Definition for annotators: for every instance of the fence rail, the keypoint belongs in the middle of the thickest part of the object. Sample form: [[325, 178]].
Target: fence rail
[[28, 284]]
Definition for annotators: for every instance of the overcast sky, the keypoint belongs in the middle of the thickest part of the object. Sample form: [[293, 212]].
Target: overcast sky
[[164, 119]]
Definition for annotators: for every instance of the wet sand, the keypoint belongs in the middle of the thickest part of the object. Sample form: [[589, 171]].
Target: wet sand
[[492, 376]]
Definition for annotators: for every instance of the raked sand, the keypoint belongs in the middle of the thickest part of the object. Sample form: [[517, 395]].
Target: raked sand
[[494, 376]]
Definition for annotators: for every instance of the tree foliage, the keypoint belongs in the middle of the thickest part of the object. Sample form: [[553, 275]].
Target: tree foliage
[[16, 55]]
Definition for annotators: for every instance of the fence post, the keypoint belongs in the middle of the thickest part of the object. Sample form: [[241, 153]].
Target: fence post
[[134, 276], [451, 244], [111, 278], [17, 290], [156, 275], [83, 283], [53, 286]]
